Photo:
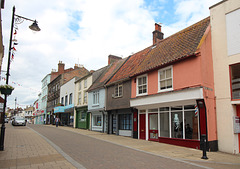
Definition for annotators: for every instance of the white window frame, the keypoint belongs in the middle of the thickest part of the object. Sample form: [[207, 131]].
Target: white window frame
[[145, 75], [85, 83], [159, 80], [96, 98], [118, 87]]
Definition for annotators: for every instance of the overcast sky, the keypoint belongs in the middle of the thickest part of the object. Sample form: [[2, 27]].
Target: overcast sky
[[85, 32]]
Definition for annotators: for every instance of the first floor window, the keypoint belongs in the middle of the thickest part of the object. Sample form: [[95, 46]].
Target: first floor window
[[142, 85], [235, 78], [96, 97], [125, 121], [165, 79], [79, 98], [97, 120], [118, 90], [85, 97], [70, 98]]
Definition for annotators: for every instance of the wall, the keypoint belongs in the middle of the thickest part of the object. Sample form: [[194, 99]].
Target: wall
[[227, 140], [119, 102], [101, 100]]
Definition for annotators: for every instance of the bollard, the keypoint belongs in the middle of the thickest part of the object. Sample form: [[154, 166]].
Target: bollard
[[204, 141]]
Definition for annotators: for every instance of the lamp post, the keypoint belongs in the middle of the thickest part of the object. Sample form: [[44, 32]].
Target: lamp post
[[33, 27]]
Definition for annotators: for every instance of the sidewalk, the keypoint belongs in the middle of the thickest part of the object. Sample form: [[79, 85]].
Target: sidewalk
[[23, 148], [26, 149]]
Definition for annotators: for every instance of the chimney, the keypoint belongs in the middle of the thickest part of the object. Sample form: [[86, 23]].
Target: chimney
[[112, 58], [157, 34], [61, 67]]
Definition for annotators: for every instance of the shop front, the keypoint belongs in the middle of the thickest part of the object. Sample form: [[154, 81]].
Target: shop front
[[175, 118], [65, 114], [82, 118], [99, 121]]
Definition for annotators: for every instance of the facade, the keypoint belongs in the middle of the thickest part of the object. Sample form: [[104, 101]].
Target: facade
[[66, 110], [39, 113], [45, 82], [225, 27], [97, 96], [29, 114], [173, 90], [55, 84], [82, 117]]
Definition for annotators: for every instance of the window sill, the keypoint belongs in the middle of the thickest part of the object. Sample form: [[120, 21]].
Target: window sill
[[165, 90], [95, 105], [235, 102], [141, 94]]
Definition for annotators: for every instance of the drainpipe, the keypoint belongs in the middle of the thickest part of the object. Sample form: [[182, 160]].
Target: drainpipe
[[103, 121]]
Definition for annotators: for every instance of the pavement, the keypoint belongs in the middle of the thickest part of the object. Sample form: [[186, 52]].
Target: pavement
[[24, 148]]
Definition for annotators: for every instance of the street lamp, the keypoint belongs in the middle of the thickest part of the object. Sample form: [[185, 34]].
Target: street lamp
[[18, 19]]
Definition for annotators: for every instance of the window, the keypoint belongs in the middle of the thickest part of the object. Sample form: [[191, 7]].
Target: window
[[118, 90], [125, 122], [85, 97], [70, 98], [235, 79], [62, 100], [85, 83], [79, 98], [96, 97], [142, 85], [165, 79], [66, 100], [97, 120], [80, 86]]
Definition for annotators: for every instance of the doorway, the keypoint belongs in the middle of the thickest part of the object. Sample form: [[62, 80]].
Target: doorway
[[143, 126]]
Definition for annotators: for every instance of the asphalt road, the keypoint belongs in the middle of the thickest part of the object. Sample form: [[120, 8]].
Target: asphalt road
[[93, 153]]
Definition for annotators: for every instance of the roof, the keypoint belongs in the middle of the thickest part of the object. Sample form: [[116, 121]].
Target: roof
[[176, 47], [109, 71]]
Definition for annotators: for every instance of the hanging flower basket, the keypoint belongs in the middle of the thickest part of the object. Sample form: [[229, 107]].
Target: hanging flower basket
[[6, 89]]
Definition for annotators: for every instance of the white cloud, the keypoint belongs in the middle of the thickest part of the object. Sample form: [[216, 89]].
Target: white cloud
[[105, 27]]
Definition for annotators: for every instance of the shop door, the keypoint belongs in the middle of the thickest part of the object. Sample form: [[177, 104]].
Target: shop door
[[142, 126], [153, 126]]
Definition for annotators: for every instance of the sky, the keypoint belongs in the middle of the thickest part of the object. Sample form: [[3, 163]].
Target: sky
[[85, 32]]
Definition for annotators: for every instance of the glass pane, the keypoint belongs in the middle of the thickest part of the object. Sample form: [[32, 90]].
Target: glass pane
[[164, 109], [177, 125], [169, 83], [120, 90], [162, 75], [191, 125], [176, 108], [235, 75], [164, 124], [189, 107], [153, 120], [140, 90], [162, 84], [139, 81], [153, 110], [168, 73], [144, 80]]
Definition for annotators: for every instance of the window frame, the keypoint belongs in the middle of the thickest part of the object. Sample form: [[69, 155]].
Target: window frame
[[159, 80], [137, 86], [96, 97], [117, 88]]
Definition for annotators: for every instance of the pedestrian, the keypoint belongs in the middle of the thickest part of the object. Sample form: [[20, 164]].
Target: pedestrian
[[57, 121]]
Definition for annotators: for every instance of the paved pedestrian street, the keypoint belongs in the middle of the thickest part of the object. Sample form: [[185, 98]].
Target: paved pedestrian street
[[45, 146]]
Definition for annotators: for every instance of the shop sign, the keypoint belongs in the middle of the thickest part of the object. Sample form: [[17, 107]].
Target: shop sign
[[236, 124]]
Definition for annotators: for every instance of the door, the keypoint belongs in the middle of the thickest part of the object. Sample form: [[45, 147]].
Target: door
[[143, 126], [153, 126]]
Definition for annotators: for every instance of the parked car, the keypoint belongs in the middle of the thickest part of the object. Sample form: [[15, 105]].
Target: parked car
[[19, 121]]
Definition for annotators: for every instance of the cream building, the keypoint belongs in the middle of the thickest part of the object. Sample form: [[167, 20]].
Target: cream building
[[225, 27]]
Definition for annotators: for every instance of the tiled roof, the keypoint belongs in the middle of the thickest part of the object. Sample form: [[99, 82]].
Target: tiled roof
[[107, 74], [176, 47], [130, 67]]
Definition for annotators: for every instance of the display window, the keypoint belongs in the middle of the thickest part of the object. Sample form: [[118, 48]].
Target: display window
[[97, 120]]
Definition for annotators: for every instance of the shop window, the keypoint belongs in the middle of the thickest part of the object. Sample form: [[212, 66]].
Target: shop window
[[97, 120], [177, 124], [125, 122], [235, 79], [165, 79], [164, 124], [142, 85], [191, 125], [118, 92]]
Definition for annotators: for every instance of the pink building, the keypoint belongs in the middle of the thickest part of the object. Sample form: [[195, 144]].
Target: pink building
[[173, 89]]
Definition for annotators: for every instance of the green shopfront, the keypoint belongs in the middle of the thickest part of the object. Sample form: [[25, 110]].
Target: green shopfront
[[82, 118]]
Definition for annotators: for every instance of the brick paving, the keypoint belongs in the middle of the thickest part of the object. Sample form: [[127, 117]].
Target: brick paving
[[24, 148]]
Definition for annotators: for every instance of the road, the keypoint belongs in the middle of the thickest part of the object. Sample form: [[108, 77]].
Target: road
[[92, 153]]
